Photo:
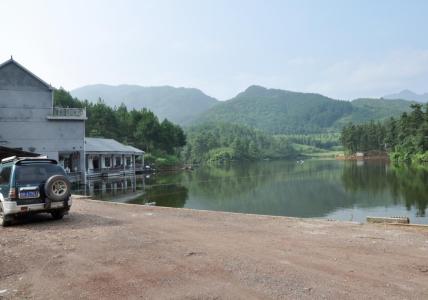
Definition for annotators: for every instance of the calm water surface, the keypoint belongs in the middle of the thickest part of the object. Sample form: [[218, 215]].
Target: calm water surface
[[330, 189]]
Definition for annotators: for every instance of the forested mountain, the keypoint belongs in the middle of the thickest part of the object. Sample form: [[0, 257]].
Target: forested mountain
[[180, 105], [284, 112], [408, 95], [271, 110]]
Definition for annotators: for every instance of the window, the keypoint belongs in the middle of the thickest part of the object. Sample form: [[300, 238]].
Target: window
[[118, 161], [107, 162], [36, 173], [5, 177]]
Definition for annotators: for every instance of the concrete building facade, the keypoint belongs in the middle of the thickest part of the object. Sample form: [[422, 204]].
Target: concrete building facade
[[30, 122]]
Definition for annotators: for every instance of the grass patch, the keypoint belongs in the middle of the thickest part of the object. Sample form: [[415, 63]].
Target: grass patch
[[316, 152]]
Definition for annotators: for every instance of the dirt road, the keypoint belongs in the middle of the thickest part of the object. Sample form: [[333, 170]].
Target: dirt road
[[103, 250]]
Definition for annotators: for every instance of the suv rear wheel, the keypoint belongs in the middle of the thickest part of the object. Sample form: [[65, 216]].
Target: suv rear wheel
[[58, 214], [58, 188]]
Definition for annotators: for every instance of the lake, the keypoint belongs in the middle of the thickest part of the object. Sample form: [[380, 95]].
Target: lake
[[328, 189]]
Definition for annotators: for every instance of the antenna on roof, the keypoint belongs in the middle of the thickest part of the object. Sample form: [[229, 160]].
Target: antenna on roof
[[11, 57]]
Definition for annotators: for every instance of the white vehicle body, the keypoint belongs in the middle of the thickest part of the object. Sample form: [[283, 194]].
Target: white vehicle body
[[12, 207]]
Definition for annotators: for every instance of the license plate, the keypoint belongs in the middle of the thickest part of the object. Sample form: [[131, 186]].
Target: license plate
[[29, 194]]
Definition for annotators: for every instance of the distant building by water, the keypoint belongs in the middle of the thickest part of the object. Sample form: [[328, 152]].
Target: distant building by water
[[107, 157]]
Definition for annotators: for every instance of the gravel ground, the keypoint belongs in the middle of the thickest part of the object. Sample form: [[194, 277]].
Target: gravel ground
[[112, 251]]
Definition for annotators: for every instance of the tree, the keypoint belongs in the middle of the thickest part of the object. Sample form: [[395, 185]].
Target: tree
[[147, 133], [253, 150], [405, 138], [101, 121], [140, 128], [62, 98], [171, 136], [391, 134]]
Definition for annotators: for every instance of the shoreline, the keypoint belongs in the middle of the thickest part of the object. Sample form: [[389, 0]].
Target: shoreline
[[364, 158], [89, 198], [111, 250]]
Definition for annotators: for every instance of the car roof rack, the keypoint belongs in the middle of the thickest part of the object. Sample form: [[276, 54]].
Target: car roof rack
[[8, 159], [18, 159]]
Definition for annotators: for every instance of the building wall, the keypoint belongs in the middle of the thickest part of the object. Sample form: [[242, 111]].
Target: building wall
[[25, 103]]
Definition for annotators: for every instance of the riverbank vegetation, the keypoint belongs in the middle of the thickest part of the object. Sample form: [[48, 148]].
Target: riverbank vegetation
[[217, 142], [165, 143], [404, 138]]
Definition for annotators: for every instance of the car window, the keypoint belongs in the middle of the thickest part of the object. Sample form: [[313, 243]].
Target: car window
[[5, 177], [36, 173]]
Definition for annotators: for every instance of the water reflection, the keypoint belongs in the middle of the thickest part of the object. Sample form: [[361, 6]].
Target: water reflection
[[171, 195], [118, 189], [327, 189], [406, 184]]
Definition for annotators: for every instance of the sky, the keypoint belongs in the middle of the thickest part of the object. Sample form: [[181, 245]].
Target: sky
[[342, 49]]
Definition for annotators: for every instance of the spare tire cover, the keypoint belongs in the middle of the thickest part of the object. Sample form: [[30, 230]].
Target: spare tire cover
[[58, 188]]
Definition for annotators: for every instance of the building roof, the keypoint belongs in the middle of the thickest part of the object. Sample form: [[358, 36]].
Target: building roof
[[12, 61], [109, 145], [7, 152]]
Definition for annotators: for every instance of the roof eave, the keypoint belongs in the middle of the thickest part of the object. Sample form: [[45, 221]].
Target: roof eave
[[115, 152]]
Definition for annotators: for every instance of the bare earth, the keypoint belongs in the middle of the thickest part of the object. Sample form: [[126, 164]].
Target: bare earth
[[103, 250]]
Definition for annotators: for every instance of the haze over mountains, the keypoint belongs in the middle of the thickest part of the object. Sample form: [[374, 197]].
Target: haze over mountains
[[409, 95], [271, 110], [179, 105]]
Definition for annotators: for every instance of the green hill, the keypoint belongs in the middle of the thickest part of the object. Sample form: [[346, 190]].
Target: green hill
[[179, 105], [271, 110], [365, 110], [281, 112]]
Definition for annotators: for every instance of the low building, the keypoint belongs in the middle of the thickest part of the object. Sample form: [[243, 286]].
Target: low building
[[360, 154], [107, 157]]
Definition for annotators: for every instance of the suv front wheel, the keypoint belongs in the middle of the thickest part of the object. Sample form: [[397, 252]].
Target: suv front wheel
[[4, 220]]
